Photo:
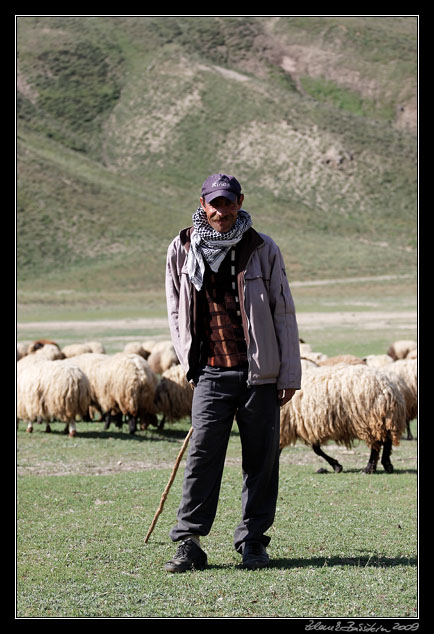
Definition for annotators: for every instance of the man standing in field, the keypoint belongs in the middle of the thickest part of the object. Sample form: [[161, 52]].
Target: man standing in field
[[233, 326]]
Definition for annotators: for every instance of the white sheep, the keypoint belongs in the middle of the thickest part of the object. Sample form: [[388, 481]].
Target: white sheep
[[162, 357], [342, 358], [400, 349], [22, 349], [121, 384], [74, 349], [51, 390], [405, 371], [137, 347], [45, 348], [174, 395], [344, 403], [378, 360]]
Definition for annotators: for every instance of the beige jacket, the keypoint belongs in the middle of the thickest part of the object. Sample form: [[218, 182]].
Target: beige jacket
[[267, 309]]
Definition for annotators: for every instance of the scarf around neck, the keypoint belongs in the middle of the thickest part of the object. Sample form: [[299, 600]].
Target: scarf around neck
[[211, 245]]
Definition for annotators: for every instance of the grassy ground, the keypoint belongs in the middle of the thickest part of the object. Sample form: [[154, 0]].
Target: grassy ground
[[343, 545]]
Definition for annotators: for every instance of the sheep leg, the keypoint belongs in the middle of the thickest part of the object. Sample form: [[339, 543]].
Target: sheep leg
[[371, 467], [385, 457], [29, 427], [108, 420], [132, 424], [118, 420], [332, 462], [409, 434]]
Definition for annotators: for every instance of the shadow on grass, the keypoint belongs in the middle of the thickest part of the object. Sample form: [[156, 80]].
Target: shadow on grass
[[379, 472], [323, 562], [149, 435], [357, 562]]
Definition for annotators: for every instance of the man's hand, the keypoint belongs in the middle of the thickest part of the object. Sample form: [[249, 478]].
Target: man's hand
[[285, 396]]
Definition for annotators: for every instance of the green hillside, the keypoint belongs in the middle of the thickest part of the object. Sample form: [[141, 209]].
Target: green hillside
[[120, 119]]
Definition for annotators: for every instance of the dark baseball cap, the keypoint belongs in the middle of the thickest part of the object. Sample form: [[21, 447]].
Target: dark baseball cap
[[221, 185]]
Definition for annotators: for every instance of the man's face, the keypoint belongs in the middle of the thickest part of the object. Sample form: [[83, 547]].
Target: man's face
[[221, 212]]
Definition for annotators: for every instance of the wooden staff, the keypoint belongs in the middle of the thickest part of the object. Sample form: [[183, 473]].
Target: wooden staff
[[169, 484]]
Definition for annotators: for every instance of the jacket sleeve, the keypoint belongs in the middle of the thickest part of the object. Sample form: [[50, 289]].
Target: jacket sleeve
[[172, 295], [285, 323]]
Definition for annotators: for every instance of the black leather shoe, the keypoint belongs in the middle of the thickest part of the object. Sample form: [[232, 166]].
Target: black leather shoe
[[189, 556], [255, 556]]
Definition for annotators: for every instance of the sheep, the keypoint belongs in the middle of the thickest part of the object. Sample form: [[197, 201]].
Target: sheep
[[51, 390], [316, 357], [49, 351], [74, 349], [136, 347], [40, 343], [22, 349], [378, 360], [121, 384], [307, 364], [174, 395], [400, 349], [162, 357], [342, 358], [405, 371], [344, 403]]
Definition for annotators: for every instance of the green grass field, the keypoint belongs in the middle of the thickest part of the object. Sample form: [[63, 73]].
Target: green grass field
[[343, 545]]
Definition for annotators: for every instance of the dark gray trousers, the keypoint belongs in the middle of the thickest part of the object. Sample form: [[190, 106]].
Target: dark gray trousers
[[220, 396]]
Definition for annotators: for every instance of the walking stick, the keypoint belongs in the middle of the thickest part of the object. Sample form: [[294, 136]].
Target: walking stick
[[169, 484]]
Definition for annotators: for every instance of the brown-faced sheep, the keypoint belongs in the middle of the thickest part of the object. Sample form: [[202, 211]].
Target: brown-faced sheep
[[174, 395], [40, 343], [51, 390], [344, 403]]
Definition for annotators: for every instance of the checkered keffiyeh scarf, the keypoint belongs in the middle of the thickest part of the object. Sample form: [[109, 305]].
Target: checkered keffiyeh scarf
[[211, 245]]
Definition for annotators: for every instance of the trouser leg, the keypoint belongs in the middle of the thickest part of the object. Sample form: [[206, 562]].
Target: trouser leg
[[259, 425], [213, 411]]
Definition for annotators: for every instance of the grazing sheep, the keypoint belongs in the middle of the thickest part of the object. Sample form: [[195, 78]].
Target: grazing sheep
[[349, 359], [40, 343], [400, 349], [344, 403], [378, 360], [74, 349], [316, 357], [307, 364], [121, 384], [136, 347], [51, 390], [405, 371], [162, 357], [22, 349], [174, 395], [50, 352]]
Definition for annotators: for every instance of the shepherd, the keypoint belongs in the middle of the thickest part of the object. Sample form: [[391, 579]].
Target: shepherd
[[233, 325]]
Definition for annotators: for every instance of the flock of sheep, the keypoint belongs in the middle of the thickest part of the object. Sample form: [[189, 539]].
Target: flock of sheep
[[342, 399]]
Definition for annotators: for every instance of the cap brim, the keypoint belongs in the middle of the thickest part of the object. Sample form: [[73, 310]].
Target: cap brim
[[222, 192]]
